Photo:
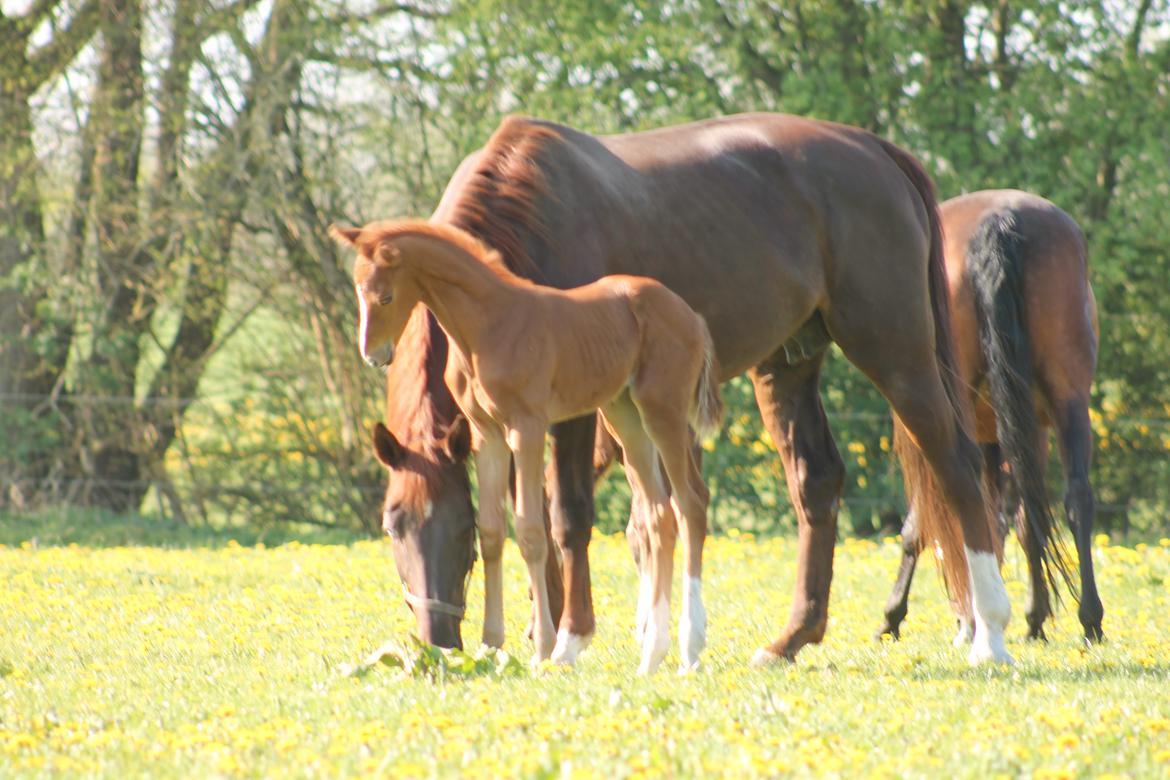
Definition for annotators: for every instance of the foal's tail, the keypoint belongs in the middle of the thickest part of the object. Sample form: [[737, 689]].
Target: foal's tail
[[994, 267], [937, 521], [707, 408]]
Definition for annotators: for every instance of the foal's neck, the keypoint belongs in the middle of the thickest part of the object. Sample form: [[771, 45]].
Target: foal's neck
[[465, 295]]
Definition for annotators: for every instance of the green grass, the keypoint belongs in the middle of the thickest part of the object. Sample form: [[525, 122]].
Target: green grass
[[224, 660]]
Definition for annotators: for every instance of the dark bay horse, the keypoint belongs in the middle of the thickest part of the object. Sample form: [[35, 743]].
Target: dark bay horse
[[1024, 322], [522, 356], [784, 233]]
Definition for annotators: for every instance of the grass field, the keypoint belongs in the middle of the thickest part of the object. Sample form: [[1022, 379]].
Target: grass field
[[227, 660]]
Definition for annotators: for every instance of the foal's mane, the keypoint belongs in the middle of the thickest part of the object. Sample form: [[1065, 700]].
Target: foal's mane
[[374, 234]]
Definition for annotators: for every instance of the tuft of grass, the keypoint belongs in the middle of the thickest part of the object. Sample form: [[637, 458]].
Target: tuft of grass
[[226, 659]]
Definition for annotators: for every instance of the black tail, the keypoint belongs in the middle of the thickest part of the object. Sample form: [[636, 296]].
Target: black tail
[[994, 267]]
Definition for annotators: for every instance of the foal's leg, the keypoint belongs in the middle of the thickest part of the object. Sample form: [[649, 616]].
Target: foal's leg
[[652, 508], [492, 461], [527, 444], [790, 406], [668, 427], [1076, 446]]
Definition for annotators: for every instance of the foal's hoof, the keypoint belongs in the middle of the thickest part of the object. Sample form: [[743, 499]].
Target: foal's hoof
[[568, 647], [1094, 635], [893, 632]]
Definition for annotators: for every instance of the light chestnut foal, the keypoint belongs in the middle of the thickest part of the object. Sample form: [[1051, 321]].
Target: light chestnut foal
[[522, 357]]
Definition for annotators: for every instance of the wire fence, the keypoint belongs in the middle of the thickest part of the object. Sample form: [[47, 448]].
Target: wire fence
[[201, 480]]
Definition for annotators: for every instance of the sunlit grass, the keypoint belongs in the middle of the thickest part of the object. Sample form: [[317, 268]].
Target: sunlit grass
[[228, 661]]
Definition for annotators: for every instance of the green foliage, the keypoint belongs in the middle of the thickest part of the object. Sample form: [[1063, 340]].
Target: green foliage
[[126, 283]]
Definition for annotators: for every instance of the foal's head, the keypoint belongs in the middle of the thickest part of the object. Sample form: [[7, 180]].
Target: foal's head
[[385, 295]]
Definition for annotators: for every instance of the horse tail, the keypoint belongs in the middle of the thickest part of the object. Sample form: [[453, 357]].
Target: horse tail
[[707, 407], [936, 520], [995, 270]]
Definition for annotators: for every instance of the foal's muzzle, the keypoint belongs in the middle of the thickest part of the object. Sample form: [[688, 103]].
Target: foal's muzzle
[[380, 358]]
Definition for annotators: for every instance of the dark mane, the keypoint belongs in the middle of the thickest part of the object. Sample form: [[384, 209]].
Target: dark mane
[[418, 402], [497, 201]]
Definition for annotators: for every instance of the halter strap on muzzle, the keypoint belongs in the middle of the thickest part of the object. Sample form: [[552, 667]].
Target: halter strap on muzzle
[[434, 605]]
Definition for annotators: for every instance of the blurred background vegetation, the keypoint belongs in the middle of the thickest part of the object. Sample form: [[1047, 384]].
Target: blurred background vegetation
[[176, 331]]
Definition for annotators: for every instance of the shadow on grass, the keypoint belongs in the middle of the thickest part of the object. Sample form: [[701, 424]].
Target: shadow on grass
[[96, 528]]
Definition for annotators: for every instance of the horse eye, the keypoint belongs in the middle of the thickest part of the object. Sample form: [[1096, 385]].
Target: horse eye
[[394, 522], [385, 299]]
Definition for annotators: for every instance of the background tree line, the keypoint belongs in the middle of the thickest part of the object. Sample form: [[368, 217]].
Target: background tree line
[[176, 331]]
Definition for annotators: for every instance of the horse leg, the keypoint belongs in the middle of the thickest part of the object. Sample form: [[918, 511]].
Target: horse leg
[[656, 529], [898, 603], [1038, 608], [998, 487], [570, 504], [492, 466], [1076, 447], [922, 405], [790, 406], [527, 444]]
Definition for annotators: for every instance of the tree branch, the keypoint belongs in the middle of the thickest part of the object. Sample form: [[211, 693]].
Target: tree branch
[[52, 58]]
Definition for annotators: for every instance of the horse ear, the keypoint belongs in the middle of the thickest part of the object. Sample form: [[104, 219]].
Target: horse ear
[[457, 440], [347, 236], [386, 447]]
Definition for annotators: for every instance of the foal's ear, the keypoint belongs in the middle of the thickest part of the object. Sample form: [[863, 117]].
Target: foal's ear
[[457, 439], [386, 447], [346, 236]]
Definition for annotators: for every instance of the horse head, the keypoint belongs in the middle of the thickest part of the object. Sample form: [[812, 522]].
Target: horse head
[[429, 518]]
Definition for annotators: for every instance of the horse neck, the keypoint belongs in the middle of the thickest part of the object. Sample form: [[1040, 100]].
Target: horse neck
[[464, 294]]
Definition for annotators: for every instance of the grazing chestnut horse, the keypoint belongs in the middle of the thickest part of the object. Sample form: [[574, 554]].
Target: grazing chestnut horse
[[1025, 326], [522, 356], [785, 234]]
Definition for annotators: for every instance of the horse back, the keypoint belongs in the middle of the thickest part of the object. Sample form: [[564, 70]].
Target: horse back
[[1049, 282]]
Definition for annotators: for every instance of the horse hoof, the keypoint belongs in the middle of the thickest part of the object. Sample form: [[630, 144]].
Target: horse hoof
[[986, 654], [965, 635], [765, 657], [1037, 635], [684, 668], [887, 630], [568, 647], [1094, 636]]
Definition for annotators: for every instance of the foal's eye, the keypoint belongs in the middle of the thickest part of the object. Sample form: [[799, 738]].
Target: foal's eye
[[385, 299]]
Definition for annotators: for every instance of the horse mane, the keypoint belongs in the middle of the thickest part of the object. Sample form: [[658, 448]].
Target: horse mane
[[494, 218], [497, 201], [418, 401]]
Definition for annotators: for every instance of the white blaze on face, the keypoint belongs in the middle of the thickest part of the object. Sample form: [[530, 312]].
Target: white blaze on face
[[363, 324]]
